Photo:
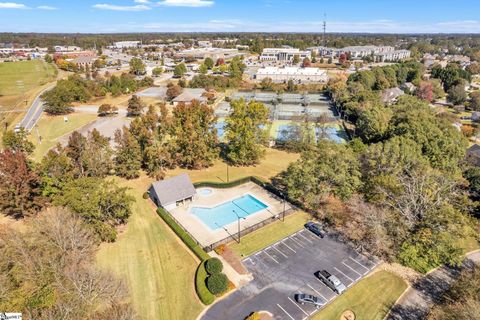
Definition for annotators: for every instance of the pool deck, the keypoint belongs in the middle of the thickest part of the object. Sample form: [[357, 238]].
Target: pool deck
[[206, 236]]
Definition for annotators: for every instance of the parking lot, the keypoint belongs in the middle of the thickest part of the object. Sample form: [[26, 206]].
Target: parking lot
[[286, 268]]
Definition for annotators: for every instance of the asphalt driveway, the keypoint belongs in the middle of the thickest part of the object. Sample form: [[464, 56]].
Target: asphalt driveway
[[286, 268]]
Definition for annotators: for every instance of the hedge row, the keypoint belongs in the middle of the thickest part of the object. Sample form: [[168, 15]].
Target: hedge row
[[199, 252], [201, 287], [222, 185]]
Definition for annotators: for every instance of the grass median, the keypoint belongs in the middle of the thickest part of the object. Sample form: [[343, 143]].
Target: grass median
[[370, 298]]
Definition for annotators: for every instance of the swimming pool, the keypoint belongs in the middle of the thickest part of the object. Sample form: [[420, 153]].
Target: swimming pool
[[224, 214]]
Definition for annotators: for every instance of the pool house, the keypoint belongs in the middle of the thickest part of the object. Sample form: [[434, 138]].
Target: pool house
[[173, 192]]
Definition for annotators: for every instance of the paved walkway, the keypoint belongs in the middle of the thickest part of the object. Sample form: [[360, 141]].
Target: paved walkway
[[417, 300]]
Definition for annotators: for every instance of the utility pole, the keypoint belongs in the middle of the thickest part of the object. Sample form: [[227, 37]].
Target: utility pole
[[324, 29]]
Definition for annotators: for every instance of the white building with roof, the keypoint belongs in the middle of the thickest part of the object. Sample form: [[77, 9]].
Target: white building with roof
[[283, 54], [126, 44], [299, 75]]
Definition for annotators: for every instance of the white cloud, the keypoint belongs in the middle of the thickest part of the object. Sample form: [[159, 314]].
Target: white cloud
[[142, 1], [47, 8], [12, 5], [186, 3], [113, 7]]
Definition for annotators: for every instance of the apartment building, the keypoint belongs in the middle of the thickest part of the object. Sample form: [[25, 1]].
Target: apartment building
[[299, 75], [283, 54]]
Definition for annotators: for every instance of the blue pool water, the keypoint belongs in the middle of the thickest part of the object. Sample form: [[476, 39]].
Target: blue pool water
[[224, 214]]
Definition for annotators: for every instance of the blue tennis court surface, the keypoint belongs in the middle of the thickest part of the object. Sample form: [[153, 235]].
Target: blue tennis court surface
[[226, 213], [285, 131]]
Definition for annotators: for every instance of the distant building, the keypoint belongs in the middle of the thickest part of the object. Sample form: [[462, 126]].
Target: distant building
[[126, 44], [204, 44], [378, 53], [299, 75], [66, 48], [189, 94], [214, 53], [173, 192], [84, 61], [390, 96], [283, 54]]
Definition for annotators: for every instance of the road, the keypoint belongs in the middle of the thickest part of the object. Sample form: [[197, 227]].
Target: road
[[418, 299], [34, 112]]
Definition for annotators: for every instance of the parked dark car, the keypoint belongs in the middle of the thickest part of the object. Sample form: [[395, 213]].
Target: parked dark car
[[315, 229], [308, 299], [331, 281]]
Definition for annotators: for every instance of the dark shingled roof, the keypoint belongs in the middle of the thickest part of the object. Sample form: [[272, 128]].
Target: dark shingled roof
[[474, 149], [174, 189]]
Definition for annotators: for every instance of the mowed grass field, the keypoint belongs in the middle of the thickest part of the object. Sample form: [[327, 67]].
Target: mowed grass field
[[269, 234], [369, 299], [20, 81], [51, 128], [158, 269]]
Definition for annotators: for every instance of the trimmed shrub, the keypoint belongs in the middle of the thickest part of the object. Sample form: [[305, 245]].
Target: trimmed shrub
[[217, 283], [213, 266], [199, 252], [146, 196], [201, 285]]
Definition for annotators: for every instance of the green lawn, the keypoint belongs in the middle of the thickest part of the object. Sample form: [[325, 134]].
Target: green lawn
[[51, 128], [20, 81], [369, 299], [274, 162], [158, 269], [269, 234]]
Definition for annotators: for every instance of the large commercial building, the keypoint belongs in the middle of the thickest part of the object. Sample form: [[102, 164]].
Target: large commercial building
[[299, 75], [283, 54], [126, 44], [214, 53], [378, 53]]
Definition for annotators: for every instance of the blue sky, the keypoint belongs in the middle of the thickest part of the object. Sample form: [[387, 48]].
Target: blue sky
[[96, 16]]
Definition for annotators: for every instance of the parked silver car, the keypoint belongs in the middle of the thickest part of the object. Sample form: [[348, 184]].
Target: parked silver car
[[331, 281], [309, 299]]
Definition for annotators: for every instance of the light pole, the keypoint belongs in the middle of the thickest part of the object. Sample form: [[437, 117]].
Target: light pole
[[284, 203], [228, 176], [238, 219]]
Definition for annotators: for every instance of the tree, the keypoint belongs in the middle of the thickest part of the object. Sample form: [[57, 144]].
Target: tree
[[55, 170], [342, 59], [180, 70], [135, 106], [128, 156], [236, 68], [107, 110], [101, 204], [194, 137], [457, 94], [203, 69], [267, 84], [245, 132], [306, 63], [474, 102], [48, 58], [296, 59], [137, 66], [208, 63], [328, 169], [220, 61], [373, 123], [291, 86], [173, 91], [157, 71], [18, 141], [20, 193], [49, 271], [425, 91]]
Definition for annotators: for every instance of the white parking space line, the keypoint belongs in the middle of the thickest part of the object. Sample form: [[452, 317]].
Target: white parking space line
[[310, 235], [288, 314], [321, 295], [346, 265], [361, 265], [283, 242], [296, 304], [345, 276], [296, 241], [270, 256], [301, 235], [280, 251]]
